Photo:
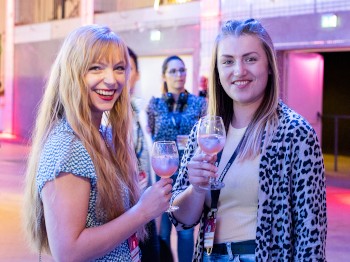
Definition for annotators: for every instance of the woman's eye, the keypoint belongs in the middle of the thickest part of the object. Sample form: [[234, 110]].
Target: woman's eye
[[94, 68], [120, 68], [251, 59], [227, 62]]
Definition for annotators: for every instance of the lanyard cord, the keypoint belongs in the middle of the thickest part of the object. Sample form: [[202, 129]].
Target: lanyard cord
[[216, 193]]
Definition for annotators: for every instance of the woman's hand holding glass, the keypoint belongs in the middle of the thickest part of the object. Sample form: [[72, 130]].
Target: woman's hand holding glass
[[165, 161], [200, 168], [155, 200], [211, 137]]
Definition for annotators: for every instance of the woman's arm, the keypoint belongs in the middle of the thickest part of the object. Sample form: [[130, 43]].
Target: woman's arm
[[66, 202], [187, 191], [191, 201]]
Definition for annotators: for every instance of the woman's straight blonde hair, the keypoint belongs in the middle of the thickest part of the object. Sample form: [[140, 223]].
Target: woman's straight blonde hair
[[66, 95], [265, 118]]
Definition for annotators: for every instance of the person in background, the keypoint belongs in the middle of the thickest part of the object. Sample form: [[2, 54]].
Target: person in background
[[171, 117], [150, 247], [273, 205], [203, 86], [2, 89], [82, 197]]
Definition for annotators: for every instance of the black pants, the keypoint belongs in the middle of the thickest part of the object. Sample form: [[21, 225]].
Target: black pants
[[150, 248]]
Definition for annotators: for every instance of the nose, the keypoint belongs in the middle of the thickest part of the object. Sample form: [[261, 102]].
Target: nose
[[178, 73], [239, 69], [109, 77]]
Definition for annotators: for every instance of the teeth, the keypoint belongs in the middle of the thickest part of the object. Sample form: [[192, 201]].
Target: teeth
[[105, 92], [239, 83]]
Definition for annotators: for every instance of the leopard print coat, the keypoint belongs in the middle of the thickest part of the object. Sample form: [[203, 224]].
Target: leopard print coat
[[291, 217]]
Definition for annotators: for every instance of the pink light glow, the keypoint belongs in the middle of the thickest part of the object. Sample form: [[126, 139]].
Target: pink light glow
[[304, 90], [7, 136]]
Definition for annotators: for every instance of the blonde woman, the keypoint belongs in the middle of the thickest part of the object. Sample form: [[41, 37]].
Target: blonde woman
[[273, 205], [82, 200]]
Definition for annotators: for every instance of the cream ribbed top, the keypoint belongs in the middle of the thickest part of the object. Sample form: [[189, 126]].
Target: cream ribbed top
[[238, 201]]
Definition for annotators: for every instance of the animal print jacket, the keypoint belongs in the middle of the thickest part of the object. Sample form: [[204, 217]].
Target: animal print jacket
[[292, 220]]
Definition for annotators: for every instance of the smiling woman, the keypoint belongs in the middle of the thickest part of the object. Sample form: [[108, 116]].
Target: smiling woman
[[81, 177], [271, 164]]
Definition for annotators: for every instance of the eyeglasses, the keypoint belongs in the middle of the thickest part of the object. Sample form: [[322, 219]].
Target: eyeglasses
[[174, 71]]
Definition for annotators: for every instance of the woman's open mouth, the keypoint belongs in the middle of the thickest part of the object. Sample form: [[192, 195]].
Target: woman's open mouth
[[106, 94]]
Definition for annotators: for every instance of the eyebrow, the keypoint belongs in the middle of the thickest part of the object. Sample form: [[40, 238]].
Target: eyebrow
[[246, 54], [104, 62]]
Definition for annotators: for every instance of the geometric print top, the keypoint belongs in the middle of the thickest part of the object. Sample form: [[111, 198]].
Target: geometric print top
[[64, 152]]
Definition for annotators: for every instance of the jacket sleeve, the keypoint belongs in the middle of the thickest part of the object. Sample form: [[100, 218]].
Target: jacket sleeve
[[182, 181], [308, 187]]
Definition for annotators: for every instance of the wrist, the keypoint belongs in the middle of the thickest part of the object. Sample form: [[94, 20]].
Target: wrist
[[140, 213], [198, 190]]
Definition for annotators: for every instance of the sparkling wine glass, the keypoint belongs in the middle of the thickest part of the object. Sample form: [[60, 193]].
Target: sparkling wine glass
[[211, 139], [165, 161]]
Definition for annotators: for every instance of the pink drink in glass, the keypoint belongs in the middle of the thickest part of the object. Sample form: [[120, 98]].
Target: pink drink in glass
[[165, 165], [211, 143]]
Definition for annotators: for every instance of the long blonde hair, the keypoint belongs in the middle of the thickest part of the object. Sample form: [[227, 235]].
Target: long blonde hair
[[265, 117], [66, 95]]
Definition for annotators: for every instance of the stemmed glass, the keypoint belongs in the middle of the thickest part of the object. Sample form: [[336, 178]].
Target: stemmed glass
[[165, 161], [211, 139]]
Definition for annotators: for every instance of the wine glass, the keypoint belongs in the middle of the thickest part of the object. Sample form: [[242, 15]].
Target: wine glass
[[211, 139], [165, 161]]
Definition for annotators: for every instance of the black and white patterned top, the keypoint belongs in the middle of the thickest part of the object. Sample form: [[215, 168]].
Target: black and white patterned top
[[64, 152]]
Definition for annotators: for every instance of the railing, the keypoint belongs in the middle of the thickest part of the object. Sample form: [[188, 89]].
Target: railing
[[336, 135], [38, 11]]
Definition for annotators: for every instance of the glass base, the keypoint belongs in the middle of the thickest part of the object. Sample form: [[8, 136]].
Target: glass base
[[214, 185], [172, 209]]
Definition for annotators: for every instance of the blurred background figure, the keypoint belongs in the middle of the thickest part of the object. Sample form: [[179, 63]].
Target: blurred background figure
[[203, 86], [171, 117], [150, 247]]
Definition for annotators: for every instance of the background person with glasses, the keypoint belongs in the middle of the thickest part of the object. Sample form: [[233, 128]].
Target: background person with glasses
[[171, 117]]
